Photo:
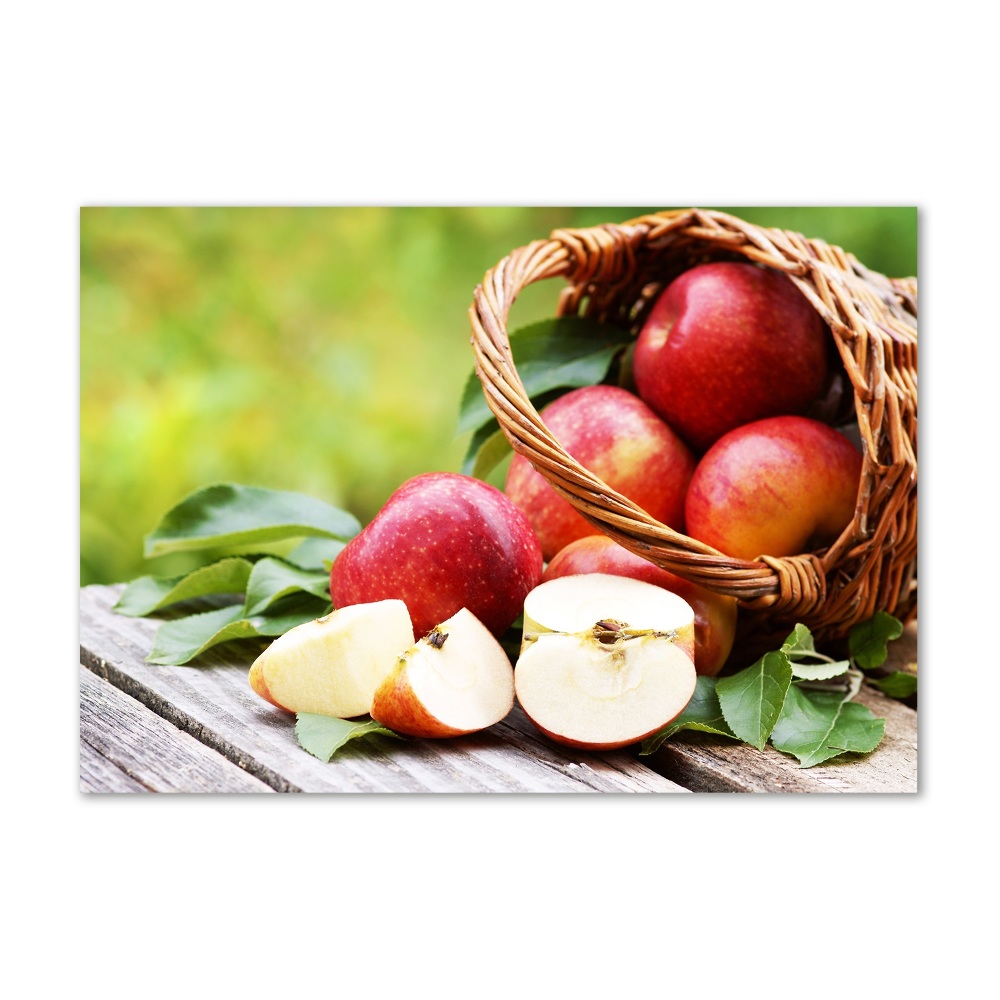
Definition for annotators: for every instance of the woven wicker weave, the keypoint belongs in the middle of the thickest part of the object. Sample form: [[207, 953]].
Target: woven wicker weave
[[614, 272]]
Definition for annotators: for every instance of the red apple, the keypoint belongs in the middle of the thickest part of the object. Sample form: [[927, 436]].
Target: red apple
[[726, 344], [776, 487], [714, 614], [442, 542], [615, 435]]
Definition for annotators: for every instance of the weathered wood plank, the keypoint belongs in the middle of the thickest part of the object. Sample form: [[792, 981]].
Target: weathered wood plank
[[124, 747], [213, 702], [714, 764]]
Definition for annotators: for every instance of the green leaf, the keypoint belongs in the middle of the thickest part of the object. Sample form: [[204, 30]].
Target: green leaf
[[323, 735], [315, 553], [799, 646], [703, 713], [151, 593], [562, 353], [820, 671], [799, 643], [230, 514], [179, 641], [273, 579], [867, 641], [751, 700], [486, 451], [898, 684], [817, 725]]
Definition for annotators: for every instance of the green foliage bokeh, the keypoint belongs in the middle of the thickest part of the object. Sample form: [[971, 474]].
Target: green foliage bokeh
[[321, 350]]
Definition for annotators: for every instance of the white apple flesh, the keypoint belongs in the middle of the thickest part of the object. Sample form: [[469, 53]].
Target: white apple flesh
[[605, 661], [597, 695], [333, 665], [575, 603], [455, 680]]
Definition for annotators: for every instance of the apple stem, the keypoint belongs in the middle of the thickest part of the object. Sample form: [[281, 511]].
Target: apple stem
[[608, 630], [436, 638]]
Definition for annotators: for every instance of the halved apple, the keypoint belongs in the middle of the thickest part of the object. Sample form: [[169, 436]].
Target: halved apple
[[455, 680], [332, 666], [605, 661]]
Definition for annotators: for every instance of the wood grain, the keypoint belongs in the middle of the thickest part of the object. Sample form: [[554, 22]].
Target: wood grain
[[124, 747], [213, 703]]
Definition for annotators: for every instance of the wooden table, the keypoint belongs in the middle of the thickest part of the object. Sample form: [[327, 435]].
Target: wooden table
[[146, 728]]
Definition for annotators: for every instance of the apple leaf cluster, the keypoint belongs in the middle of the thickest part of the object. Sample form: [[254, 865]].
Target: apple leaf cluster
[[552, 356], [262, 595], [796, 697]]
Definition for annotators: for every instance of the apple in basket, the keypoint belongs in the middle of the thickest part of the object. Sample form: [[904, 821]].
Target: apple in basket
[[726, 344], [714, 614], [776, 487], [443, 541], [617, 437]]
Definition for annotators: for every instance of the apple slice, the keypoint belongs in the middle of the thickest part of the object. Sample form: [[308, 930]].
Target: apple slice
[[332, 666], [457, 679], [575, 603], [605, 661]]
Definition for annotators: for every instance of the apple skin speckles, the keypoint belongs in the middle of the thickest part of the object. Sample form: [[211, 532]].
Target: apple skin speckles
[[776, 487], [441, 542], [728, 343]]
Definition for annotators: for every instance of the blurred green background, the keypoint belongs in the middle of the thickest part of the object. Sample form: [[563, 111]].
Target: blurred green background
[[321, 350]]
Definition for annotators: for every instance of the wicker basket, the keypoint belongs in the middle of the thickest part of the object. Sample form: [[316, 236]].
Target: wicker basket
[[614, 273]]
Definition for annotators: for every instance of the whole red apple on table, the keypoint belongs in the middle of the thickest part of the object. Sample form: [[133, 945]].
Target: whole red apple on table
[[726, 344], [714, 614], [442, 542], [617, 437], [776, 487]]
